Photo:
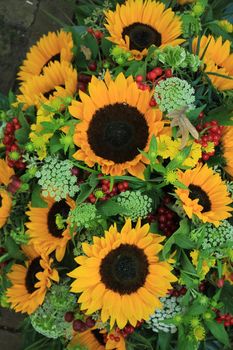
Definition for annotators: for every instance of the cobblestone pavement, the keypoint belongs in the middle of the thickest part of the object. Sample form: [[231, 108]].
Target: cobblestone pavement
[[22, 22]]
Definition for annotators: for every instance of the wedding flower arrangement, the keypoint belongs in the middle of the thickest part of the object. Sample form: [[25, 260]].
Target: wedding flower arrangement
[[116, 192]]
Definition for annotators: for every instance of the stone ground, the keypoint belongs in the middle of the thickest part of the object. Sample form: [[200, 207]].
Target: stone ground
[[22, 23]]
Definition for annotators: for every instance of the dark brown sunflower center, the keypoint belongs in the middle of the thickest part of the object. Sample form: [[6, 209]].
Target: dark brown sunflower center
[[0, 200], [124, 269], [31, 278], [98, 336], [197, 192], [58, 212], [51, 92], [141, 36], [117, 132], [51, 60]]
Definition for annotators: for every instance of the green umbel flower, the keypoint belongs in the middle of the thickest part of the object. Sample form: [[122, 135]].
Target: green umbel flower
[[177, 57], [171, 308], [56, 179], [173, 94], [84, 215], [218, 238], [135, 204], [86, 236], [191, 25], [48, 319]]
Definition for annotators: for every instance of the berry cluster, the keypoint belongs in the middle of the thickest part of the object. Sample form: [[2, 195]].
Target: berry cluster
[[14, 156], [178, 291], [154, 76], [96, 33], [83, 80], [104, 193], [226, 319], [79, 325], [210, 132], [128, 329]]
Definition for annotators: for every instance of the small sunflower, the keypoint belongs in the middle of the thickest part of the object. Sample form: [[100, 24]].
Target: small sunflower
[[5, 199], [47, 228], [138, 24], [51, 47], [58, 80], [206, 195], [217, 59], [122, 270], [95, 339], [30, 282], [116, 123], [227, 148]]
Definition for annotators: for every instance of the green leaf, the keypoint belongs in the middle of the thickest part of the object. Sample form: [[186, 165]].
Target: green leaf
[[13, 249], [223, 114], [180, 238], [194, 113], [37, 201], [85, 191], [227, 297], [218, 331], [106, 46], [197, 309], [110, 208], [89, 41], [164, 340], [179, 159], [22, 134]]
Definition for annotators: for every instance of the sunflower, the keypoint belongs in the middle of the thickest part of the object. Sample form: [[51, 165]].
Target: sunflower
[[5, 206], [51, 47], [138, 24], [58, 80], [217, 59], [95, 339], [122, 270], [30, 282], [5, 199], [206, 195], [47, 228], [116, 123], [227, 148]]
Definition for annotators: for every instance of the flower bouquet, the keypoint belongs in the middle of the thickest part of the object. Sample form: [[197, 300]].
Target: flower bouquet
[[116, 162]]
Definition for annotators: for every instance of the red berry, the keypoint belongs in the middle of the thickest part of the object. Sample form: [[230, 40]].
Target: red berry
[[153, 103], [125, 184], [79, 326], [112, 337], [81, 86], [151, 75], [129, 329], [120, 187], [201, 115], [205, 157], [139, 78], [69, 316], [158, 71], [90, 30], [207, 125], [98, 34], [218, 319], [75, 171], [162, 218], [92, 66], [204, 138], [199, 127], [117, 339], [214, 122], [84, 78], [220, 282], [90, 322], [168, 73]]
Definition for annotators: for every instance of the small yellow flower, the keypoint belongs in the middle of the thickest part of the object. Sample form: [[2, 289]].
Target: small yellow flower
[[199, 333], [171, 177], [166, 147], [225, 25], [209, 148], [206, 264]]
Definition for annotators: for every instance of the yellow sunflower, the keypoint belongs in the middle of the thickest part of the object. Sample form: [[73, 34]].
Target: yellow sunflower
[[122, 270], [5, 206], [227, 148], [95, 339], [30, 282], [217, 59], [44, 228], [53, 46], [138, 24], [206, 195], [5, 199], [58, 80], [116, 123]]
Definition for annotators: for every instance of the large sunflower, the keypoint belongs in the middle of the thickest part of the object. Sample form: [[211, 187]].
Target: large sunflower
[[206, 195], [227, 148], [44, 228], [116, 123], [30, 282], [5, 199], [217, 59], [58, 80], [51, 47], [120, 271], [138, 24], [95, 339]]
